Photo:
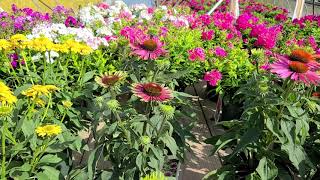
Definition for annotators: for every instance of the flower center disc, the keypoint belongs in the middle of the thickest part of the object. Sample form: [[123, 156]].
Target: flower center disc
[[110, 80], [298, 67], [150, 45], [301, 56], [152, 89]]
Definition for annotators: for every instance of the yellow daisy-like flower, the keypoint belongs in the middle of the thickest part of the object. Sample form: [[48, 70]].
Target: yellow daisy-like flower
[[6, 95], [5, 110], [67, 104], [39, 102], [110, 78], [155, 176], [48, 130], [18, 40], [41, 44], [38, 90], [5, 45]]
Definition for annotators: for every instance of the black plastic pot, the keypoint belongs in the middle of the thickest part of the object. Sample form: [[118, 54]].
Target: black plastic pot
[[231, 111]]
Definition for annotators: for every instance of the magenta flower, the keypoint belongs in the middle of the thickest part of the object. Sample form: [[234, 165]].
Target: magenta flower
[[223, 20], [313, 43], [103, 5], [246, 21], [220, 52], [151, 92], [207, 35], [265, 67], [71, 22], [163, 31], [197, 54], [295, 70], [213, 77], [148, 48]]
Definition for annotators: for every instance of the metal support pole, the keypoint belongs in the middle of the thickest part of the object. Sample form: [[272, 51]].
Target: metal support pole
[[298, 9]]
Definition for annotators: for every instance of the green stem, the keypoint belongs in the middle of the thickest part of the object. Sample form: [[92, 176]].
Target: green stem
[[3, 144], [38, 154], [64, 115], [47, 108], [288, 84]]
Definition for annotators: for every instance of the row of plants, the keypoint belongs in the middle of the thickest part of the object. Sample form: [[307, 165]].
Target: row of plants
[[119, 73]]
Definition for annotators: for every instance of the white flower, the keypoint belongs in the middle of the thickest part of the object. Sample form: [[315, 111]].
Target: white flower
[[1, 10], [36, 57], [106, 31], [145, 15], [50, 56]]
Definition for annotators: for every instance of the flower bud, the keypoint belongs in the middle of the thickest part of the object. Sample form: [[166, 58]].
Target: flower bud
[[167, 111], [145, 140], [113, 104], [67, 104]]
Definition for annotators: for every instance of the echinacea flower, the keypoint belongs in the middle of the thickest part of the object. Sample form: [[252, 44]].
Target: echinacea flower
[[38, 90], [295, 70], [213, 77], [167, 111], [303, 56], [151, 92], [197, 54], [109, 79], [6, 95], [48, 130], [148, 48]]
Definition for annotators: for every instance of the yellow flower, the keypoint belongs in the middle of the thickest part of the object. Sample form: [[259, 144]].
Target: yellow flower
[[67, 104], [4, 45], [5, 110], [18, 40], [40, 44], [6, 95], [38, 90], [39, 102], [155, 176], [48, 130]]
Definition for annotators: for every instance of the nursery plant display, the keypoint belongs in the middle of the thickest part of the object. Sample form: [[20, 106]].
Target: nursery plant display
[[118, 73]]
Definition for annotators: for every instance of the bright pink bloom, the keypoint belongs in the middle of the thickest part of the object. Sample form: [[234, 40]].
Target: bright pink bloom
[[103, 5], [265, 67], [223, 20], [207, 35], [151, 92], [295, 70], [213, 77], [246, 21], [197, 54], [313, 43], [148, 48], [220, 52]]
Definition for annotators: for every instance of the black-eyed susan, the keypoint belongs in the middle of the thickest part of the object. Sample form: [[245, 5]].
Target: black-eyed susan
[[109, 79], [6, 95], [38, 90], [48, 130]]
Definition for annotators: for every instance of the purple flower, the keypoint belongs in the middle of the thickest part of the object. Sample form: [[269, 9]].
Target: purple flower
[[220, 52], [313, 42], [163, 31], [71, 22]]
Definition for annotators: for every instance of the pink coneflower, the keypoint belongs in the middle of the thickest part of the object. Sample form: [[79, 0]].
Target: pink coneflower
[[265, 67], [213, 77], [295, 70], [151, 92], [149, 48], [197, 54], [220, 52]]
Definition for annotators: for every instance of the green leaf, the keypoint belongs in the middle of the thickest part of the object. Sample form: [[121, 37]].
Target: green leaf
[[49, 173], [252, 135], [87, 76], [50, 159], [299, 158], [266, 169], [170, 143], [105, 175], [93, 159], [220, 141], [140, 161]]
